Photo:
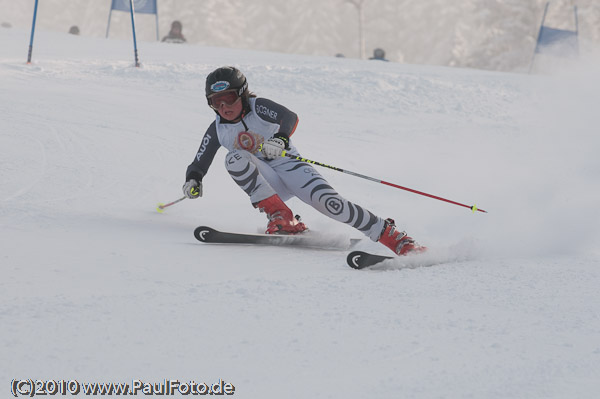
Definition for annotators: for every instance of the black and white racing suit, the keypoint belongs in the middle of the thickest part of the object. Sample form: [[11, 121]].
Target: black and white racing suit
[[261, 178]]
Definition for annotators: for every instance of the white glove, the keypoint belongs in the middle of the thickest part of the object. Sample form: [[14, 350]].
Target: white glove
[[192, 189], [273, 148]]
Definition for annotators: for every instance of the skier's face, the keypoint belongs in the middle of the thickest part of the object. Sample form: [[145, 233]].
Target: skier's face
[[230, 112]]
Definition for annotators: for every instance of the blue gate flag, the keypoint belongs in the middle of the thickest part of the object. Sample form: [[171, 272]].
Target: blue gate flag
[[140, 6], [557, 42]]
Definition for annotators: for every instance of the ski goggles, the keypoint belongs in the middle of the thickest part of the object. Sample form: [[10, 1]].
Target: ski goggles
[[228, 98]]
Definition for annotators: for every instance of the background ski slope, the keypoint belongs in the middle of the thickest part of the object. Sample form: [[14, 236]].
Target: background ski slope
[[98, 286], [497, 35]]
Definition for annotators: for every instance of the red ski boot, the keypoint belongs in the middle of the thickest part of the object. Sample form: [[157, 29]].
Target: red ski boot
[[281, 218], [398, 241]]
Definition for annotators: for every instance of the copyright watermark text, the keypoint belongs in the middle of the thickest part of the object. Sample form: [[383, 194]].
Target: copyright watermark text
[[31, 388]]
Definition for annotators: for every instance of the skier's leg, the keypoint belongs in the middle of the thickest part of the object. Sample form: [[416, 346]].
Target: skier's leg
[[264, 187], [258, 181], [309, 186]]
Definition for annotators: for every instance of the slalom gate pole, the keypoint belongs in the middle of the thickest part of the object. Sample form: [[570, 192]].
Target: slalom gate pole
[[473, 208], [161, 207], [135, 51], [32, 33]]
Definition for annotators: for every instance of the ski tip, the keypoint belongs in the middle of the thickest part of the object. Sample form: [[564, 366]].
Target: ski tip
[[201, 233], [357, 259], [353, 260], [363, 260]]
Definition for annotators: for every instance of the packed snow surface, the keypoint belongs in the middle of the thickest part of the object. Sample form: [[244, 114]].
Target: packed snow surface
[[99, 287]]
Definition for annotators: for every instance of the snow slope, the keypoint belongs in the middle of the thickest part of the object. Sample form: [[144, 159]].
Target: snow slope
[[98, 286]]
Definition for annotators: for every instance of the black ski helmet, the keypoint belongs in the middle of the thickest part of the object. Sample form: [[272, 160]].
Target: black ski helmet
[[227, 78]]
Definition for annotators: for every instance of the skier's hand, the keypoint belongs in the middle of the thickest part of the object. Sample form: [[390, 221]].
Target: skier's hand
[[273, 148], [192, 189]]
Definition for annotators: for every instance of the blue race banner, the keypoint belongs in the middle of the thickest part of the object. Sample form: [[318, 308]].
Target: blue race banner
[[557, 42], [140, 6]]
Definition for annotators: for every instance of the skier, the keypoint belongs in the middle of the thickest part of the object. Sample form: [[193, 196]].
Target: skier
[[256, 131]]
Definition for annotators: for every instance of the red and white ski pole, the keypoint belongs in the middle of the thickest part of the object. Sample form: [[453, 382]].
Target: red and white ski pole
[[473, 207], [160, 208]]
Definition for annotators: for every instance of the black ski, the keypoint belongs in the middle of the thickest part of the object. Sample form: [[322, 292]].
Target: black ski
[[361, 260], [311, 240]]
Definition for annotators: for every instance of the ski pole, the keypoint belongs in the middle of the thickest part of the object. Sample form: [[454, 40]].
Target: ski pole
[[160, 208], [286, 154]]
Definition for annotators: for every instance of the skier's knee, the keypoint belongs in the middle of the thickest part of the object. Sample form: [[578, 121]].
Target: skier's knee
[[236, 157]]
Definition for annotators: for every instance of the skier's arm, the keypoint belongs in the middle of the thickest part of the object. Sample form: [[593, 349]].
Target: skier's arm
[[277, 113], [205, 155]]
